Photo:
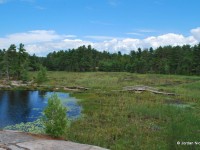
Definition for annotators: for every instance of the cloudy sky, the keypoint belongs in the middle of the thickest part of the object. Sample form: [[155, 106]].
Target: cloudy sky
[[112, 25]]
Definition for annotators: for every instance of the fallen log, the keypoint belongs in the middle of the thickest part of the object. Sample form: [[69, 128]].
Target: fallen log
[[159, 92], [140, 88], [78, 87]]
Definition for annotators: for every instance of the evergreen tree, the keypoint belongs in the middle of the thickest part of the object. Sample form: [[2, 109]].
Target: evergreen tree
[[42, 75], [9, 61], [22, 65]]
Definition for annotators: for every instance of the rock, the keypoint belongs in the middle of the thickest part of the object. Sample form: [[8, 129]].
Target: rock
[[5, 86], [56, 145], [14, 140], [13, 147]]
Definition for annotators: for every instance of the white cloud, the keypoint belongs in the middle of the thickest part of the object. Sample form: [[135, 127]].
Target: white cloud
[[36, 36], [168, 39], [116, 45], [41, 42], [44, 48], [70, 36], [127, 44], [72, 43], [196, 33]]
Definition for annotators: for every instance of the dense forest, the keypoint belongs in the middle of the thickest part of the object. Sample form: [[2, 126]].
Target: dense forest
[[185, 60]]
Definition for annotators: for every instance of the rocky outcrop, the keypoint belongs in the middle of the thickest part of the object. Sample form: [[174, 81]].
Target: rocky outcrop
[[14, 140], [17, 84]]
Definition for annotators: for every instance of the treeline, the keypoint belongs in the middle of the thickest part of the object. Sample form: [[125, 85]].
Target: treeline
[[184, 60]]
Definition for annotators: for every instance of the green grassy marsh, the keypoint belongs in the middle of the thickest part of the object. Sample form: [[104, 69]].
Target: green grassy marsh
[[129, 120]]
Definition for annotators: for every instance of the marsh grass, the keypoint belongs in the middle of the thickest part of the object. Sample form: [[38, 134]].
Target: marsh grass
[[129, 120]]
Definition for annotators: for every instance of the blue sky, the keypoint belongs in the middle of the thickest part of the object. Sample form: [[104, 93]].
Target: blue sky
[[113, 25]]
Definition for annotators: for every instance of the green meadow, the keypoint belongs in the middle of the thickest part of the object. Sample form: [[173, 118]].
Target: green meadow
[[123, 120]]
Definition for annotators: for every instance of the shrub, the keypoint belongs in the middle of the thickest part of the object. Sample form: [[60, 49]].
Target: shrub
[[55, 117]]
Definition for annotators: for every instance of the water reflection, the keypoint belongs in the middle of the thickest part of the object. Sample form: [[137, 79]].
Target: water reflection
[[27, 106]]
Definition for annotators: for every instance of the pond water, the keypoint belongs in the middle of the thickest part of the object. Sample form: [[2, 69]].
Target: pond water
[[27, 106]]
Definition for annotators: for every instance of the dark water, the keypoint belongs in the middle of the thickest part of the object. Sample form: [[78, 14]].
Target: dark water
[[27, 106]]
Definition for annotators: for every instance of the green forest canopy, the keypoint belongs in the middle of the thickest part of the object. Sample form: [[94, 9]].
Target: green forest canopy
[[184, 60]]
